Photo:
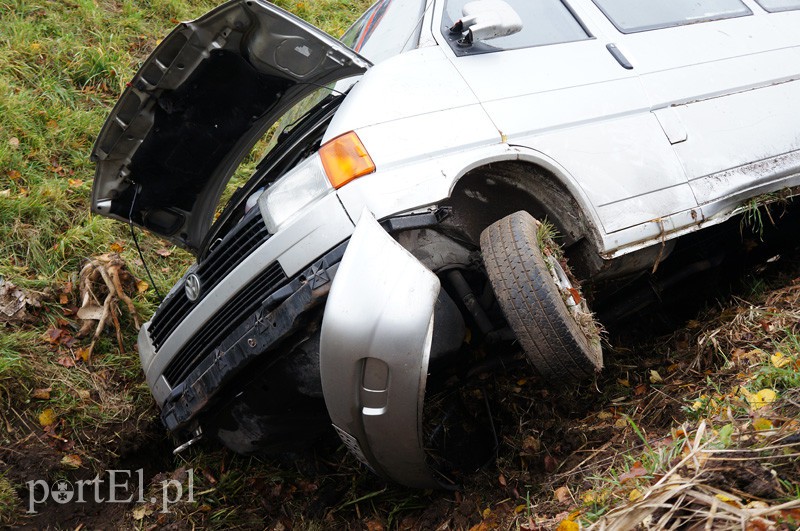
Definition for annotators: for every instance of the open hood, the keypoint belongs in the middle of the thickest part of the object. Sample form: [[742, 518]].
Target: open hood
[[209, 91]]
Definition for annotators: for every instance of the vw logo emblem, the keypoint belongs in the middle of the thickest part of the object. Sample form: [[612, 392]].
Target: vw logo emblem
[[192, 287]]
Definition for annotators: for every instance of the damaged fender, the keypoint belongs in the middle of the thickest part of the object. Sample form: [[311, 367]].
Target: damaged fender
[[374, 353]]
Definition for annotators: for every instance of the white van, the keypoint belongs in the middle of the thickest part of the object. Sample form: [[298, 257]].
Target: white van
[[387, 229]]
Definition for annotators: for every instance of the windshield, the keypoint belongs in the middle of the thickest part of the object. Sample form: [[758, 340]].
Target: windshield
[[388, 28]]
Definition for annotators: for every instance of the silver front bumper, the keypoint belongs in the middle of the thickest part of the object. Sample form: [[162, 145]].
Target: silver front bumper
[[374, 353]]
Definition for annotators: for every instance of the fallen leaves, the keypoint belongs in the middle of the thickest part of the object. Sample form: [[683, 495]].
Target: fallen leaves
[[530, 446], [141, 510], [41, 394], [563, 495], [762, 424], [780, 361], [635, 471], [71, 461], [550, 464], [18, 305], [47, 417], [761, 398], [142, 286], [83, 354], [66, 361], [568, 525]]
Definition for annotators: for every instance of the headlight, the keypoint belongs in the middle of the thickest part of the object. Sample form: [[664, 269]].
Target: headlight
[[298, 188]]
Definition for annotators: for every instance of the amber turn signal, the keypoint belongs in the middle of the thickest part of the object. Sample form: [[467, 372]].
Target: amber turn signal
[[344, 159]]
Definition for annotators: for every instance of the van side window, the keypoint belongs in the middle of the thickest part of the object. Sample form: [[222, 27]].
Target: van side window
[[543, 22], [631, 16], [779, 5]]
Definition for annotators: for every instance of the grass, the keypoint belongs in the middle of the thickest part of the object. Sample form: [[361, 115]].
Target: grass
[[757, 211], [62, 67]]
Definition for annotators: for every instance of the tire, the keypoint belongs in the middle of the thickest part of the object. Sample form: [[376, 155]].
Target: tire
[[558, 346]]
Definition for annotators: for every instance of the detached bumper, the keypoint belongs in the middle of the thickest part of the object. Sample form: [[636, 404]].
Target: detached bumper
[[374, 353]]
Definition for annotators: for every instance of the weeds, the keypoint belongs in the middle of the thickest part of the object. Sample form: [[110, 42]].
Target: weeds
[[8, 503], [754, 210]]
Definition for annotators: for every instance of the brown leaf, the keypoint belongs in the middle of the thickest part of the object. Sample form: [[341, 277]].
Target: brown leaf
[[550, 464], [63, 298], [14, 175], [83, 354], [563, 495], [531, 444], [117, 247], [17, 305], [53, 335], [502, 480], [66, 361], [71, 461], [163, 252], [41, 394], [141, 510], [374, 525], [91, 312], [640, 389], [75, 183], [13, 142], [636, 471]]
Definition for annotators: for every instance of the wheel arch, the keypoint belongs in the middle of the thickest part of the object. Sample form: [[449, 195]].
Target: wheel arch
[[488, 190]]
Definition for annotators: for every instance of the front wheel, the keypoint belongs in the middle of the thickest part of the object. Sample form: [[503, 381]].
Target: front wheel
[[546, 312]]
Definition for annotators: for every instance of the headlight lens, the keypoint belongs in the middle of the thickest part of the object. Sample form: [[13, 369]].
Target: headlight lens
[[298, 188]]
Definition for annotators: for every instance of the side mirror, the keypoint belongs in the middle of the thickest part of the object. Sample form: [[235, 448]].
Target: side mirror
[[486, 19]]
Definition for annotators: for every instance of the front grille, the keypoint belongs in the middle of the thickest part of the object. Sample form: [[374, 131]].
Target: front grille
[[242, 240], [223, 323]]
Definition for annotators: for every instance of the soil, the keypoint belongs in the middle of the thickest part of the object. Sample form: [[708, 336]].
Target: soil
[[141, 446]]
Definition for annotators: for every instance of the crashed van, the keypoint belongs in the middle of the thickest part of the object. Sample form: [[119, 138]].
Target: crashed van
[[449, 182]]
